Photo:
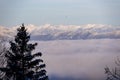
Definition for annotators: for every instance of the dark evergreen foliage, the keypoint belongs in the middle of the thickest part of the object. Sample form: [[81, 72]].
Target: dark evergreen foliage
[[21, 63]]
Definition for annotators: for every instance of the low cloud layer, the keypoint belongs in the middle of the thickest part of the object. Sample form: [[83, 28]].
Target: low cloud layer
[[79, 59], [69, 32]]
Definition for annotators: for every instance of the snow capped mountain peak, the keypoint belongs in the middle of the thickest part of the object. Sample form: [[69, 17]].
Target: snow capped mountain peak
[[52, 32], [96, 26]]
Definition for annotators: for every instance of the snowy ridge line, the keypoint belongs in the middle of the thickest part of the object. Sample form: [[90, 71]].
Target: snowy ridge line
[[69, 32]]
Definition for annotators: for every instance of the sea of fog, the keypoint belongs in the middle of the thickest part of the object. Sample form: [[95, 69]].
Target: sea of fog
[[79, 59]]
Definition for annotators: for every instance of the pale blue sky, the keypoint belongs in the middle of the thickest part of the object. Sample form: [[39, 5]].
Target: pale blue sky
[[75, 12]]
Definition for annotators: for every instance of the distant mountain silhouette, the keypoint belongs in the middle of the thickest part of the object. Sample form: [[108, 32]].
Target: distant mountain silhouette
[[64, 32]]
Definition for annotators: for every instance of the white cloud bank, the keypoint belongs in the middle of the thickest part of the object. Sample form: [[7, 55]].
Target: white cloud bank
[[75, 59], [79, 59], [70, 32]]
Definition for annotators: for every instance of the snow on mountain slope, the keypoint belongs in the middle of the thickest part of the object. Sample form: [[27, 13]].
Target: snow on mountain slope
[[53, 32], [5, 32]]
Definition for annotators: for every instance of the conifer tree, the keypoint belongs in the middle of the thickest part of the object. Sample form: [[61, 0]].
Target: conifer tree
[[21, 63]]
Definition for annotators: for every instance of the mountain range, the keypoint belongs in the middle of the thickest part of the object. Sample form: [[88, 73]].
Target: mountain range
[[65, 32]]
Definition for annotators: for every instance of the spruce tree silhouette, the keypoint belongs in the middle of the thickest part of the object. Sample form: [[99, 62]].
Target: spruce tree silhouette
[[21, 63]]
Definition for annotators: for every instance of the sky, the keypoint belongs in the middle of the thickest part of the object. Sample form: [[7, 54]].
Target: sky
[[57, 12]]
